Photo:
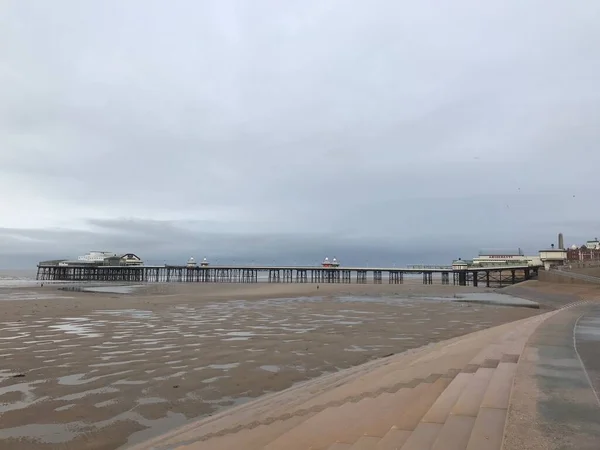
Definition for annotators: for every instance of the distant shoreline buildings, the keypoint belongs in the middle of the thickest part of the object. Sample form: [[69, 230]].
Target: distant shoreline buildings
[[556, 255], [590, 251]]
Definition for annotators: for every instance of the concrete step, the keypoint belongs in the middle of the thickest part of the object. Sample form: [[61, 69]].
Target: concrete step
[[423, 437], [394, 439], [488, 429], [497, 394], [469, 402], [389, 409], [440, 410], [248, 439], [366, 443], [455, 433], [416, 409], [336, 424], [511, 343]]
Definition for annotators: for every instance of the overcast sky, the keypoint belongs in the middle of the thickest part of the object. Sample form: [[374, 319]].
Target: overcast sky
[[380, 131]]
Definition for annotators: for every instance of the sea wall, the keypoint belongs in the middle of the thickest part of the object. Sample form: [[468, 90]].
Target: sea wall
[[590, 271], [568, 277]]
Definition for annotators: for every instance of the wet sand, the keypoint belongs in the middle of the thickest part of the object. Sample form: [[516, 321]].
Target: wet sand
[[103, 370]]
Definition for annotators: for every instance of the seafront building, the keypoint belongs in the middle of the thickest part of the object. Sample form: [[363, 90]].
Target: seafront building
[[502, 256], [99, 258], [556, 255], [95, 256], [590, 251]]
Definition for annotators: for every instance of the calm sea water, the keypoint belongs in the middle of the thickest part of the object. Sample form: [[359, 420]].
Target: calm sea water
[[17, 278], [26, 278]]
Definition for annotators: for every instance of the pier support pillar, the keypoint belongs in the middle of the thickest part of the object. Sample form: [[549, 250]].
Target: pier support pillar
[[274, 276], [361, 276], [346, 276], [377, 276], [288, 275], [301, 276], [461, 277], [394, 277]]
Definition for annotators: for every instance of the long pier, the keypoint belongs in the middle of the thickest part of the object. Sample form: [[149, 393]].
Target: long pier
[[472, 276]]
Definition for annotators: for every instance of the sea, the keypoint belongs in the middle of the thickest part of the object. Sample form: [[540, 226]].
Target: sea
[[14, 278], [18, 278]]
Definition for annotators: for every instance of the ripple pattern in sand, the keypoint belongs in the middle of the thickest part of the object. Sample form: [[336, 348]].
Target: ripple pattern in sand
[[137, 372]]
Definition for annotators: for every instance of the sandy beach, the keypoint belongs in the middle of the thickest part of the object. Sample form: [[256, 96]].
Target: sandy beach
[[104, 370]]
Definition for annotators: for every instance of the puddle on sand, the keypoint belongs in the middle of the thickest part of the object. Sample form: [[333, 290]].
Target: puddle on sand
[[78, 395], [6, 373], [79, 326], [61, 433], [213, 379], [117, 363], [45, 433], [130, 313], [356, 348], [105, 403], [224, 366], [112, 289], [240, 333], [150, 400], [64, 408], [131, 382], [28, 397], [272, 369], [77, 378]]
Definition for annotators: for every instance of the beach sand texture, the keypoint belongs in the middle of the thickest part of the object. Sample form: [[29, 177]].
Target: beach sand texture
[[103, 370]]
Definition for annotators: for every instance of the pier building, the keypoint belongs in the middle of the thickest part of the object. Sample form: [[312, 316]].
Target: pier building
[[191, 263], [333, 263], [500, 256]]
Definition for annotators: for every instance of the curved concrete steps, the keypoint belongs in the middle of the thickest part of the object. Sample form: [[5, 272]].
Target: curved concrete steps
[[464, 411], [450, 396]]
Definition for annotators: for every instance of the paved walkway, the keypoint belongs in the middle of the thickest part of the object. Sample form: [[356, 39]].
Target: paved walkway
[[555, 397], [452, 395]]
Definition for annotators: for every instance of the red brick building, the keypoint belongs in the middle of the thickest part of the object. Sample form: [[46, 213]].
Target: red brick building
[[583, 253]]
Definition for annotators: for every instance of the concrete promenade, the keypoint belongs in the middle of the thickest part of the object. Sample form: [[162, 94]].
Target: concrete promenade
[[453, 395]]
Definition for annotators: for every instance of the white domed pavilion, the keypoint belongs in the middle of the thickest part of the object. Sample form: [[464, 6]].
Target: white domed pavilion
[[191, 262]]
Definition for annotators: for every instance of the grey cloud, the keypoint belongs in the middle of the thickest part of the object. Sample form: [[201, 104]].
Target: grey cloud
[[267, 129], [175, 242]]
